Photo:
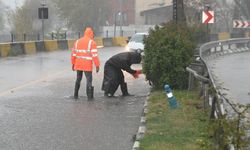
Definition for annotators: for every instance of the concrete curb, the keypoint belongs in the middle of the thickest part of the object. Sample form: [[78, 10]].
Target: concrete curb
[[142, 128]]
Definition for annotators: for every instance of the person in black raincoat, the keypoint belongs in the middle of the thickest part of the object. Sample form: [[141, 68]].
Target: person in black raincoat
[[113, 75]]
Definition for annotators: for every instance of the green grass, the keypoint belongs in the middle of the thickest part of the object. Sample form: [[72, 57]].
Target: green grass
[[184, 128]]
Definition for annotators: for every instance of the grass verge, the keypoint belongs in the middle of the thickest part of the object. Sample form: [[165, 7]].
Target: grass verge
[[184, 128]]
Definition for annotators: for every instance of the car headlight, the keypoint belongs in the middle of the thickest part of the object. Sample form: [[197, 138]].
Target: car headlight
[[127, 48], [138, 50]]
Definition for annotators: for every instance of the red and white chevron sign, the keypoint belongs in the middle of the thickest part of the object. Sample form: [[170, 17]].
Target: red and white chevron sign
[[207, 17], [241, 24]]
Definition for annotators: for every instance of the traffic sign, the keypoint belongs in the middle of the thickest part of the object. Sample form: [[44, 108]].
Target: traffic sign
[[241, 24], [43, 13], [207, 17]]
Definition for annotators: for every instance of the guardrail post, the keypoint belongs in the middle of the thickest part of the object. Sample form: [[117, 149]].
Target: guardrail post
[[246, 44], [202, 83], [38, 37], [52, 36], [79, 34], [221, 46], [24, 37], [12, 37], [213, 109], [190, 81], [65, 35], [202, 89], [206, 96], [107, 34], [121, 32]]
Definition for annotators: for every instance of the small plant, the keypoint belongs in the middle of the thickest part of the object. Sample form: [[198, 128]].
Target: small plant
[[231, 131]]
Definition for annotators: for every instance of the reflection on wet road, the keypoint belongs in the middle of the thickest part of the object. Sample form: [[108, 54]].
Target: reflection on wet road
[[233, 73], [36, 111]]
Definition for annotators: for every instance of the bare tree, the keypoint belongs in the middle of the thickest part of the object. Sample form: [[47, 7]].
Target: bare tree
[[82, 13], [241, 10], [24, 19], [2, 8], [193, 12], [223, 13]]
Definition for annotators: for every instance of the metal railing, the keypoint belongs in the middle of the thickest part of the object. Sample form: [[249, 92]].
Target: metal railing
[[7, 38], [211, 90]]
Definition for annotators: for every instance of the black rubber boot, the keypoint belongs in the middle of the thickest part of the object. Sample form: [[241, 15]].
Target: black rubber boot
[[109, 95], [124, 89], [90, 92], [77, 86]]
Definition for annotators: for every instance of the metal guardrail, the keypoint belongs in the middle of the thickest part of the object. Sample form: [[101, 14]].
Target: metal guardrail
[[218, 48], [212, 91]]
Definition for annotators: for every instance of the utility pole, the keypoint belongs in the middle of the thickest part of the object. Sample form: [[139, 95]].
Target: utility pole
[[178, 11]]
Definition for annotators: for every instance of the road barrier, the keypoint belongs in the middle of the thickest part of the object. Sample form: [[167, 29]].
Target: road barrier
[[4, 50], [51, 45], [62, 44], [214, 95], [31, 47], [108, 42], [120, 41]]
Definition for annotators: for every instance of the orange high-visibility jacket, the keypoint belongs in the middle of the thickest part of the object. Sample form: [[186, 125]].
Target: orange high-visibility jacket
[[84, 52]]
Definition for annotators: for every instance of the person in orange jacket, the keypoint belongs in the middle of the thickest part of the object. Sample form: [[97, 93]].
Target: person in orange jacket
[[83, 54]]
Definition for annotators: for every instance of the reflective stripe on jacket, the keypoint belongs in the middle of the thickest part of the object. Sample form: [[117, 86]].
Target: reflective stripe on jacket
[[84, 52]]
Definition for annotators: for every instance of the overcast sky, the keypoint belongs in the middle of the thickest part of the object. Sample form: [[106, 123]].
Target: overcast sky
[[13, 3]]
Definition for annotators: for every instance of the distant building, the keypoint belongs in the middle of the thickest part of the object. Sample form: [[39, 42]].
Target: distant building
[[123, 12], [132, 16], [151, 12], [140, 12]]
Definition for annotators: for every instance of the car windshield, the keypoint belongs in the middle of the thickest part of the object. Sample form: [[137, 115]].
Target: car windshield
[[137, 38]]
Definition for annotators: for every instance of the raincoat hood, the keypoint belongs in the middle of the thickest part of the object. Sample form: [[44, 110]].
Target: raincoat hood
[[135, 58], [89, 33]]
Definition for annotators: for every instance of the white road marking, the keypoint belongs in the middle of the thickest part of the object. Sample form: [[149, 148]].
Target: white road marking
[[33, 82]]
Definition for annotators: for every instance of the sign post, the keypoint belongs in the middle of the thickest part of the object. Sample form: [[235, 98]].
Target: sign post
[[207, 18], [43, 13]]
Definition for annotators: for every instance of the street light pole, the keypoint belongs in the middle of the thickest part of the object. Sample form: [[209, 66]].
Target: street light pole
[[121, 17], [115, 26]]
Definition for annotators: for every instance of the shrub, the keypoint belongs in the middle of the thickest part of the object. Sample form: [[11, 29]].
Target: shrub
[[168, 51]]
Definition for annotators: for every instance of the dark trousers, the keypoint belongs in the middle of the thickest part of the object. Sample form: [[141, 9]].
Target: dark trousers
[[113, 77], [88, 75]]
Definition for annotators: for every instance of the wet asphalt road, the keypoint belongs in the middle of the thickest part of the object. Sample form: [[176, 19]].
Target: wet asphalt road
[[37, 113], [233, 74]]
